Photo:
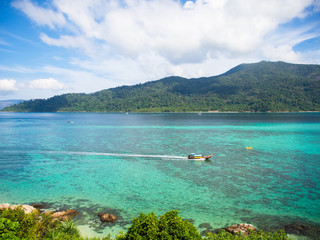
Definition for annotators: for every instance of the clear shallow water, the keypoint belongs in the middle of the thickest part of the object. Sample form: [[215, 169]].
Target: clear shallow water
[[135, 163]]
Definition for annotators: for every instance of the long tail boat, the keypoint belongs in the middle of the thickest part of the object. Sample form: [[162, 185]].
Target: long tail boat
[[199, 156]]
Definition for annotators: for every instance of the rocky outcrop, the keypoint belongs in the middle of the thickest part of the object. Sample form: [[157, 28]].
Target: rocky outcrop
[[26, 208], [243, 228], [64, 215], [40, 206], [105, 217]]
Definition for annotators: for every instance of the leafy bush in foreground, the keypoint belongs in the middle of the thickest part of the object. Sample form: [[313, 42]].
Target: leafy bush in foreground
[[16, 225], [169, 226]]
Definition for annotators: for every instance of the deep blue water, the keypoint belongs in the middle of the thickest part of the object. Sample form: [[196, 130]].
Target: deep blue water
[[135, 163]]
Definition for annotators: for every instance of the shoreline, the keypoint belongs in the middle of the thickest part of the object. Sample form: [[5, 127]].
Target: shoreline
[[194, 112], [298, 230]]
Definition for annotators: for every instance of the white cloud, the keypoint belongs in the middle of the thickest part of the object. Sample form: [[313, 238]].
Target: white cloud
[[281, 53], [68, 42], [181, 34], [8, 85], [188, 34], [80, 80], [46, 83], [40, 15]]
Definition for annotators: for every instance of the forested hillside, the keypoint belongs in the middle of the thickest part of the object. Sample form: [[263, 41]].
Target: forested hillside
[[6, 103], [258, 87]]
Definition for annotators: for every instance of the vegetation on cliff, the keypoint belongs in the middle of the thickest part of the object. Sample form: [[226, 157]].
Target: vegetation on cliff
[[15, 224], [258, 87]]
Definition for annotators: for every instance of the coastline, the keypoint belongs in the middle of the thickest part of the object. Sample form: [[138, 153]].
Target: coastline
[[295, 231], [193, 112]]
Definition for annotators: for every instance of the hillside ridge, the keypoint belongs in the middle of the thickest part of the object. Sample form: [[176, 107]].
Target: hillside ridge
[[254, 87]]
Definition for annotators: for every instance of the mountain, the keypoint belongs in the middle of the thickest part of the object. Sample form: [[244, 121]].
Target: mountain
[[263, 86], [6, 103]]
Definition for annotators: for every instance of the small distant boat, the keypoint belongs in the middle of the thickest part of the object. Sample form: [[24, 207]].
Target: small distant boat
[[199, 157]]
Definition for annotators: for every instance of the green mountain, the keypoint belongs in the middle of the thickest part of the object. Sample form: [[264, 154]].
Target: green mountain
[[263, 86], [6, 103]]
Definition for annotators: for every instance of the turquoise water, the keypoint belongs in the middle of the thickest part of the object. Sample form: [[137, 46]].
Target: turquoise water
[[128, 164]]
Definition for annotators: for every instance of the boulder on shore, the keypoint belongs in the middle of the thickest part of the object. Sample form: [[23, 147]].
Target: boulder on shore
[[64, 215], [241, 227], [105, 217], [26, 208]]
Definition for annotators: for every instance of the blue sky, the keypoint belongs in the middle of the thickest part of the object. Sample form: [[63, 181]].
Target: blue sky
[[53, 47]]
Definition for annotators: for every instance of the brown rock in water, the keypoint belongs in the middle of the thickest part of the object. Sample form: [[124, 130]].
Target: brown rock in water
[[40, 206], [105, 217], [241, 227], [65, 215]]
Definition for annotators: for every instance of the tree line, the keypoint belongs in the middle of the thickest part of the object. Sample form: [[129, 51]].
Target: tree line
[[258, 87]]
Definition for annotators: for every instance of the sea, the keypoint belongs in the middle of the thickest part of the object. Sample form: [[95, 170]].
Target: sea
[[127, 164]]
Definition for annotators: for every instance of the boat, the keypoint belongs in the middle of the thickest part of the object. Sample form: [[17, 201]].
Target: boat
[[199, 157]]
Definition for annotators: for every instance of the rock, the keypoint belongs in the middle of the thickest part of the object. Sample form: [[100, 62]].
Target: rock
[[64, 215], [26, 208], [105, 217], [205, 225], [48, 212], [241, 227], [37, 205], [4, 206], [40, 206]]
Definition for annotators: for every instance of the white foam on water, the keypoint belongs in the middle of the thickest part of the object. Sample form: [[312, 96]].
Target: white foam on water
[[164, 157], [168, 157]]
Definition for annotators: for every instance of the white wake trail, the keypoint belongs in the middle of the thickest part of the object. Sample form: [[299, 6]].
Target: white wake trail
[[118, 155]]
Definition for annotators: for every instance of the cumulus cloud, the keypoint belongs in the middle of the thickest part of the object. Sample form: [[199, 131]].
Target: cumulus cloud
[[8, 85], [41, 16], [180, 33], [185, 33], [281, 53], [156, 38], [46, 83]]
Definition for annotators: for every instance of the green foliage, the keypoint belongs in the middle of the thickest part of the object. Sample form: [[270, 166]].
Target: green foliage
[[169, 227], [15, 224], [260, 235], [259, 87], [8, 229]]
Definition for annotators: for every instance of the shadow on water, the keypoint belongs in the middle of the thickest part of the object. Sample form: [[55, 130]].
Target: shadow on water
[[88, 213]]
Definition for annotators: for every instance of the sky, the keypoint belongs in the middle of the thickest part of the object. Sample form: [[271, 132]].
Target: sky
[[51, 47]]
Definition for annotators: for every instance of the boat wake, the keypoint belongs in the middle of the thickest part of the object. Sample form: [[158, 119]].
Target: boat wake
[[165, 157], [162, 157]]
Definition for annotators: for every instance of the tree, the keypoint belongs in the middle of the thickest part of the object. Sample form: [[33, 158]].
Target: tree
[[169, 227]]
